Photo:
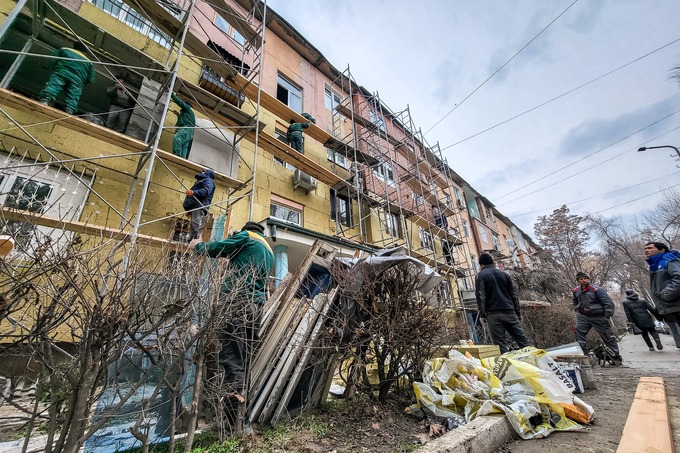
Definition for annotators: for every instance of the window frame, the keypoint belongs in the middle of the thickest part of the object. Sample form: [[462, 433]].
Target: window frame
[[289, 89], [385, 172], [146, 27], [345, 214], [329, 96], [426, 239], [291, 209], [393, 224], [337, 158]]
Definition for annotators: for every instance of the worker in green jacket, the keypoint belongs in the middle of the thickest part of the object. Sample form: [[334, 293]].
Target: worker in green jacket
[[251, 260], [294, 135], [184, 128], [70, 75]]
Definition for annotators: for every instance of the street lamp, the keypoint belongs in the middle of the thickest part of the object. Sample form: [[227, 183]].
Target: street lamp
[[645, 148]]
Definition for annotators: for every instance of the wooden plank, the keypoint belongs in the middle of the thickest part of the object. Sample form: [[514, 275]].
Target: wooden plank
[[439, 232], [648, 427], [87, 229], [74, 123], [28, 105]]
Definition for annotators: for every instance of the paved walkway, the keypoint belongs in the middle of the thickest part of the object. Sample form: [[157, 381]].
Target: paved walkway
[[636, 355]]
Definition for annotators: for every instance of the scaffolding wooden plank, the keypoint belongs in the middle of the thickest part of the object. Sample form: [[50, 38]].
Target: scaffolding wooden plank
[[27, 105], [287, 154], [215, 103], [439, 232], [87, 228], [437, 265], [237, 21]]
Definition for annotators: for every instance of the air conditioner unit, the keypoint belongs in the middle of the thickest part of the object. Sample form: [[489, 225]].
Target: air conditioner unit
[[304, 181], [460, 204]]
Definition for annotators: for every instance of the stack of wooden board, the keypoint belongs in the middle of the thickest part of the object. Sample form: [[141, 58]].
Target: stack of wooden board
[[480, 351], [289, 368]]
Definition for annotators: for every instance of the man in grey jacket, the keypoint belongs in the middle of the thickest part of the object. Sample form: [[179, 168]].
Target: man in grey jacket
[[594, 309], [497, 301], [664, 284]]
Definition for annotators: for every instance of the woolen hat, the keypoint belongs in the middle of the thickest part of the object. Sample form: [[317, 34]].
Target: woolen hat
[[581, 274], [485, 259], [253, 226]]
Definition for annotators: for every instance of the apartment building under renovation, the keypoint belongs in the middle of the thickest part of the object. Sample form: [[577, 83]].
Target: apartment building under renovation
[[367, 178]]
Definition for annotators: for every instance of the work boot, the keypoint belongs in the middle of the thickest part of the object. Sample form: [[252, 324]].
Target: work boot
[[659, 346], [651, 349]]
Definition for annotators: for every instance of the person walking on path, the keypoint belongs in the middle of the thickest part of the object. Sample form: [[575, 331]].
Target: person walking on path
[[638, 313], [198, 199], [664, 284], [594, 309], [71, 73], [120, 107], [250, 260], [294, 135], [497, 301], [184, 128]]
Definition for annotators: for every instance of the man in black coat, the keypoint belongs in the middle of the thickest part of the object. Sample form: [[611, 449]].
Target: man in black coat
[[638, 312], [497, 301], [594, 310], [198, 199]]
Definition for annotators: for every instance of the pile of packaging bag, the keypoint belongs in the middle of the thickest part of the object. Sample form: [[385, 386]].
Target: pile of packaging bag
[[527, 385]]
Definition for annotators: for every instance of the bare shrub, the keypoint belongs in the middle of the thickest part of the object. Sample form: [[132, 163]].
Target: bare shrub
[[550, 326]]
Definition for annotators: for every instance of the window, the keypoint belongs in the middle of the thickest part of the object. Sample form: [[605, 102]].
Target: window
[[418, 199], [341, 209], [336, 157], [460, 200], [475, 265], [444, 293], [448, 201], [289, 94], [124, 13], [482, 233], [426, 239], [392, 224], [281, 136], [377, 120], [446, 251], [40, 189], [228, 29], [496, 243], [331, 98], [465, 228], [472, 209], [285, 213], [385, 172]]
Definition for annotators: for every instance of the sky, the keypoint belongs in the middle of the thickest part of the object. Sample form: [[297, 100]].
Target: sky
[[594, 77]]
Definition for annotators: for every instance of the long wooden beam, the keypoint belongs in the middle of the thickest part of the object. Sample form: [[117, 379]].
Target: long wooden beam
[[648, 427], [87, 228], [74, 123]]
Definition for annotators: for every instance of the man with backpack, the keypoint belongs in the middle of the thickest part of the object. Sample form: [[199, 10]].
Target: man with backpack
[[594, 310], [638, 313], [664, 284]]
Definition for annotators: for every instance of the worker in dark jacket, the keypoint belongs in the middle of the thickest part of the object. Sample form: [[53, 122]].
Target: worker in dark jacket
[[120, 107], [294, 135], [664, 283], [638, 313], [250, 261], [594, 310], [71, 73], [198, 199], [184, 128], [497, 301]]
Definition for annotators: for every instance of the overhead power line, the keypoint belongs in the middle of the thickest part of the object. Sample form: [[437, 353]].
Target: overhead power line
[[561, 95], [635, 199], [570, 203], [501, 67], [579, 160]]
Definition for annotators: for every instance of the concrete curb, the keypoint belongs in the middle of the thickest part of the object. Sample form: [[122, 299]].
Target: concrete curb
[[482, 435]]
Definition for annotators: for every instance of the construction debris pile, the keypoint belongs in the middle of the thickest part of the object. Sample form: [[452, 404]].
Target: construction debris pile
[[527, 385]]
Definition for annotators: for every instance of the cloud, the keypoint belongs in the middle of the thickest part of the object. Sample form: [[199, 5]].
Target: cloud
[[586, 17], [596, 134]]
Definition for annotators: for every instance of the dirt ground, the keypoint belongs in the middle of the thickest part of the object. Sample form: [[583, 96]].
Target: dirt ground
[[368, 427]]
